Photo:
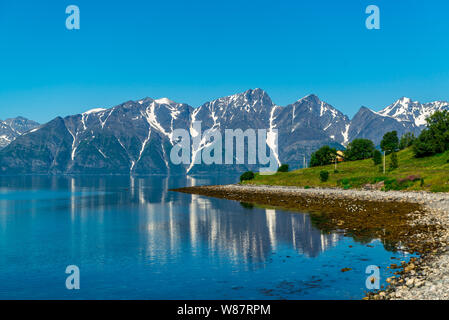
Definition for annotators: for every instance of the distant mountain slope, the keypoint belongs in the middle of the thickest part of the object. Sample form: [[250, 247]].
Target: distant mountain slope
[[136, 137], [404, 115], [371, 125], [306, 125], [406, 110], [251, 109], [12, 128], [133, 137]]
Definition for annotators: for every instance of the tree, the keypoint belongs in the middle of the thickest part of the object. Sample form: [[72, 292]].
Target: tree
[[248, 175], [377, 157], [394, 161], [424, 146], [390, 142], [359, 149], [435, 138], [283, 168], [407, 140], [324, 175], [323, 156]]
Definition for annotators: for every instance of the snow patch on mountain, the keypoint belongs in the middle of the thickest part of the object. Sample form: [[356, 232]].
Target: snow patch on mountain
[[407, 110], [12, 128], [165, 101], [345, 134], [272, 137], [96, 110]]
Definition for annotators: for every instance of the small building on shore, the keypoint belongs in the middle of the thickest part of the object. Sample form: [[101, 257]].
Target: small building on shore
[[340, 156]]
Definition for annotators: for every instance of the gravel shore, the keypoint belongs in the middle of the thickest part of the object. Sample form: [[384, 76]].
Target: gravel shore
[[423, 278]]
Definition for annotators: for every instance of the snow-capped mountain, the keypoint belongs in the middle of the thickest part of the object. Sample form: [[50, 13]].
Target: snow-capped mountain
[[407, 110], [252, 109], [368, 124], [12, 128], [306, 125], [313, 113], [136, 137], [404, 115]]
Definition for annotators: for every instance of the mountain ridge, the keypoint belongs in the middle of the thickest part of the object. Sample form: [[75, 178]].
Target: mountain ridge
[[11, 128], [136, 137]]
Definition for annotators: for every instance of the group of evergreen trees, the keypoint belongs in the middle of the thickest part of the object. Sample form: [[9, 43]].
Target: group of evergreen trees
[[323, 156], [360, 149]]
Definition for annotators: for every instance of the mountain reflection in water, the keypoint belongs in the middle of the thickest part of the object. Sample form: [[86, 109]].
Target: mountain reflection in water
[[136, 232]]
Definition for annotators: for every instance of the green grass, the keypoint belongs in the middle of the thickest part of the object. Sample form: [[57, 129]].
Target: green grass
[[354, 174]]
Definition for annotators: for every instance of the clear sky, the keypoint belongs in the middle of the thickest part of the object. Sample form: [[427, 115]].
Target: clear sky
[[195, 51]]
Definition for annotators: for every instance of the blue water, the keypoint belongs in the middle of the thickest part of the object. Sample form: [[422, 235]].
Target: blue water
[[133, 239]]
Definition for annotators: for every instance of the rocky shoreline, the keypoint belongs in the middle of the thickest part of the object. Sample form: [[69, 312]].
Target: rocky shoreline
[[415, 221]]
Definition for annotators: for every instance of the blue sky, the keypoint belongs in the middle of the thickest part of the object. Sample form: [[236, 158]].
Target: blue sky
[[195, 51]]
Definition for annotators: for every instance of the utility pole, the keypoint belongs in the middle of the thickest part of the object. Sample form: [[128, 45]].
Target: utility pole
[[305, 165]]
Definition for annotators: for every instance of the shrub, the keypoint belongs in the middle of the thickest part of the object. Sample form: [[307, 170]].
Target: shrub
[[390, 142], [378, 179], [394, 161], [393, 184], [323, 156], [407, 140], [359, 149], [353, 182], [248, 175], [283, 168], [377, 157], [247, 205], [324, 175]]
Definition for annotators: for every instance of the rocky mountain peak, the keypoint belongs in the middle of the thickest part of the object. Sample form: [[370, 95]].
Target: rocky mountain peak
[[251, 98], [406, 110], [311, 98], [11, 128]]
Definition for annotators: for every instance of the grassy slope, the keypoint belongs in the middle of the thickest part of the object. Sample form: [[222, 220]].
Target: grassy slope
[[354, 174]]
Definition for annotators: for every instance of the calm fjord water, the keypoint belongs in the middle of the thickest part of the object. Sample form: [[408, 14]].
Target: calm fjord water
[[134, 239]]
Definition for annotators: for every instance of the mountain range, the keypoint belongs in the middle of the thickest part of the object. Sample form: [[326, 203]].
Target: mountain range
[[12, 128], [136, 137]]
